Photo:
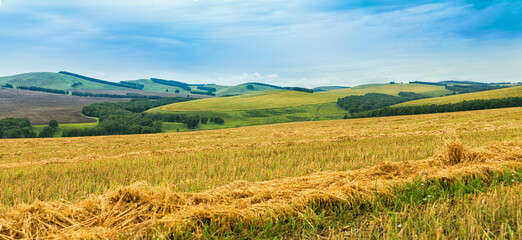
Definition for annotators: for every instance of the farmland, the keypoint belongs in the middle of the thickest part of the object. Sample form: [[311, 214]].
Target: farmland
[[386, 153], [279, 106], [497, 93], [281, 98], [40, 107]]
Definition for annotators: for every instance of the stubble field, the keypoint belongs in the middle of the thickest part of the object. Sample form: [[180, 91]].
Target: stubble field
[[191, 165]]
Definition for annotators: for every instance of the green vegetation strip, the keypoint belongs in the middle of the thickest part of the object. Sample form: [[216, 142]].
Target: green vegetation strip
[[363, 219], [477, 104]]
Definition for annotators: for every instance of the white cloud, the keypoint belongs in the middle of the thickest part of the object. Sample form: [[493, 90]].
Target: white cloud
[[217, 40]]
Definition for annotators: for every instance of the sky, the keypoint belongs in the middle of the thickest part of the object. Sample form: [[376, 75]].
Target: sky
[[305, 43]]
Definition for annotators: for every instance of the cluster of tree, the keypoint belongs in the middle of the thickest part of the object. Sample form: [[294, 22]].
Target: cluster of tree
[[370, 101], [181, 85], [250, 87], [300, 89], [49, 130], [41, 89], [76, 84], [16, 128], [204, 88], [217, 120], [7, 85], [122, 123], [108, 95], [133, 85], [190, 121], [203, 93], [459, 89], [477, 104], [128, 118], [96, 80], [134, 105]]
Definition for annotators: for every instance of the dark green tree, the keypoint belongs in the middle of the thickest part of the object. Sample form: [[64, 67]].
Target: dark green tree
[[53, 124], [204, 120], [46, 132]]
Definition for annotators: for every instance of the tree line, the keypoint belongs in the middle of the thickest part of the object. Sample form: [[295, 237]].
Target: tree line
[[16, 128], [22, 128], [181, 85], [370, 101], [209, 93], [133, 84], [126, 85], [109, 95], [300, 89], [41, 89], [129, 118], [477, 104], [460, 89], [205, 88]]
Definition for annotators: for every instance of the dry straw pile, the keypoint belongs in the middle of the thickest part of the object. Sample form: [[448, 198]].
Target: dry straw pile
[[136, 210]]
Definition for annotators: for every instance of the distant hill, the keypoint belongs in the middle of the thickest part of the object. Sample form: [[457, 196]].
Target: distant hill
[[278, 105], [246, 88], [328, 88], [67, 81], [54, 81], [284, 98], [497, 93]]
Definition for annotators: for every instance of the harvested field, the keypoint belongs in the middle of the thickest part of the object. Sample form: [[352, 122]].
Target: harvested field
[[135, 211], [78, 187], [41, 107]]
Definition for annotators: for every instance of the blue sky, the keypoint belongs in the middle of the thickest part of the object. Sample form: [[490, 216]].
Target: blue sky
[[305, 43]]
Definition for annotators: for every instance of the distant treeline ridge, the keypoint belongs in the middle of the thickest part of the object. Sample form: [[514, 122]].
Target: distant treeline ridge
[[41, 89], [125, 84], [173, 83], [370, 101]]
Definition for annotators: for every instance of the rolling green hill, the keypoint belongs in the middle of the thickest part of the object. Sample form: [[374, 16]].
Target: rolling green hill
[[284, 98], [149, 85], [245, 88], [328, 88], [277, 106], [497, 93], [54, 81]]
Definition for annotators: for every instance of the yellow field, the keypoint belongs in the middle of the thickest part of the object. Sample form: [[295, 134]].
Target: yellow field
[[74, 168], [497, 93], [280, 98]]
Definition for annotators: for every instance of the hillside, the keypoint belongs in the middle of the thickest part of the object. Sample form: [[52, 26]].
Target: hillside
[[283, 98], [497, 93], [40, 107], [149, 85], [278, 106], [393, 177], [245, 88], [328, 88], [54, 81]]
